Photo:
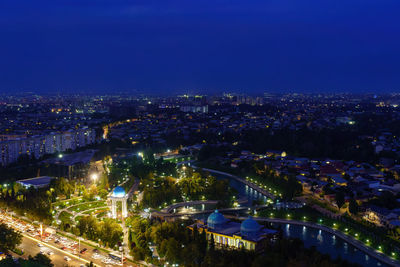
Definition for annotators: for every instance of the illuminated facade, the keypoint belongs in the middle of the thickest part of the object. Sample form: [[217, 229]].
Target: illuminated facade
[[248, 234], [118, 194]]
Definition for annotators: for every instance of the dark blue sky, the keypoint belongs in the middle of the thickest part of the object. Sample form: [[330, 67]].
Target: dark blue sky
[[200, 46]]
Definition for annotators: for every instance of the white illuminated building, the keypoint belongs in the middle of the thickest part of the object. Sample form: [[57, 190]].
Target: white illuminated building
[[118, 194]]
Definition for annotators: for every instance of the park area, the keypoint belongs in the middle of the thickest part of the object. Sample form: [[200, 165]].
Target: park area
[[68, 213]]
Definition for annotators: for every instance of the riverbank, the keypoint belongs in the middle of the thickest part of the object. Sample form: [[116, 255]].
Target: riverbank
[[366, 247], [349, 239], [242, 180]]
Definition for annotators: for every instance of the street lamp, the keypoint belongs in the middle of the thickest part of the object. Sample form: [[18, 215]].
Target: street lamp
[[41, 232], [94, 177], [121, 249], [79, 238]]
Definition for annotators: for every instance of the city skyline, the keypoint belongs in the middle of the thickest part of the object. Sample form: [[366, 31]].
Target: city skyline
[[200, 133]]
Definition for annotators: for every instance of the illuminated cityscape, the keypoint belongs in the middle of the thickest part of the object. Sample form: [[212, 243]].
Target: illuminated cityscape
[[199, 134]]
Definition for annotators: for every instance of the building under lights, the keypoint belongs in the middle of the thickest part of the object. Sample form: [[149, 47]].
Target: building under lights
[[118, 194], [248, 235]]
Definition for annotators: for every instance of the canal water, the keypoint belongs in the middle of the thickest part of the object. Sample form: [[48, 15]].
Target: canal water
[[328, 244], [243, 190], [323, 241]]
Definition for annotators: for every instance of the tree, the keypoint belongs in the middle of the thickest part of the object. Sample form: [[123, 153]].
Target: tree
[[212, 245], [353, 206], [191, 185], [7, 262], [9, 239], [173, 250], [42, 259], [339, 196], [103, 193]]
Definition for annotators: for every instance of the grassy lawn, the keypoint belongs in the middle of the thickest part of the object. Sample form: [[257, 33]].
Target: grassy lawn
[[65, 203], [65, 217], [102, 214], [86, 206], [96, 211]]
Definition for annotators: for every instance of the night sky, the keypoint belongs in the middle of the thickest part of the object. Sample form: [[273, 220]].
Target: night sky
[[200, 46]]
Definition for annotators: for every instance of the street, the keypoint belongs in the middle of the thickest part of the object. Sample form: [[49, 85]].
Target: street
[[57, 247]]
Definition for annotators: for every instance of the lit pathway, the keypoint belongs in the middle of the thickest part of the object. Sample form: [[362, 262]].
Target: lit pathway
[[349, 239], [189, 203], [66, 208], [83, 212], [166, 212]]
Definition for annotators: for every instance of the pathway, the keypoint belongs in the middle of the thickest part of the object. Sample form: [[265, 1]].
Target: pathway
[[189, 203], [66, 208], [83, 212]]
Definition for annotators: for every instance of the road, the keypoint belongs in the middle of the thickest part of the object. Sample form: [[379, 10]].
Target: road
[[30, 247], [31, 240]]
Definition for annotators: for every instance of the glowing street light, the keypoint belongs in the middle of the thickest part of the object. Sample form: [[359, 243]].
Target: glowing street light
[[60, 156], [94, 177]]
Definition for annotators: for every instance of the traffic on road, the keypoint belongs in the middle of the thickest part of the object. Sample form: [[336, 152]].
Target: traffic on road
[[60, 249]]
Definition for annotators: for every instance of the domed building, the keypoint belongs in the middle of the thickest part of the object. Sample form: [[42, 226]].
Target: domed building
[[118, 194], [216, 220], [249, 234], [249, 227]]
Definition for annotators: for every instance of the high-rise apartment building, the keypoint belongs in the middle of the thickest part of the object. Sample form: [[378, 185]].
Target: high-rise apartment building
[[37, 146]]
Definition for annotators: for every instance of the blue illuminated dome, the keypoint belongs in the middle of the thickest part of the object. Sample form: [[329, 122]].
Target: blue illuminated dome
[[118, 192], [249, 227], [215, 219]]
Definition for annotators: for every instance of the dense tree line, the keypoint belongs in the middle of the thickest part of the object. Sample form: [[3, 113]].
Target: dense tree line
[[9, 239], [191, 185], [39, 260], [286, 185], [175, 243], [108, 231], [21, 200]]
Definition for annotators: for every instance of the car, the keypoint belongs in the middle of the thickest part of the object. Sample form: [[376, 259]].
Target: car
[[64, 248], [39, 245], [83, 250], [50, 252], [66, 258]]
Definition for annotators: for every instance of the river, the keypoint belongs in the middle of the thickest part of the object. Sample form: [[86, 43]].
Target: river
[[323, 241]]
